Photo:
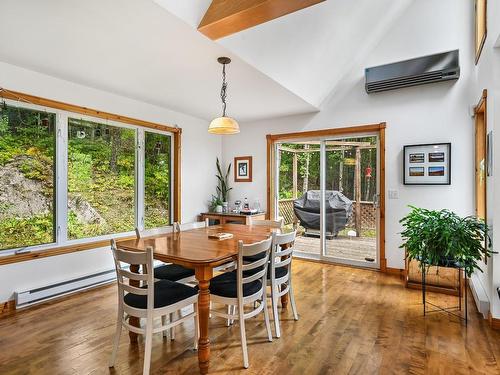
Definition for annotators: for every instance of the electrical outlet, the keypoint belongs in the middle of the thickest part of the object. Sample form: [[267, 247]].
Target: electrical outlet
[[393, 194]]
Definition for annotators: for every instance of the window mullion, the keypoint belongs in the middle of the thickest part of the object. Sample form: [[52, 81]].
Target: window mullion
[[140, 177], [62, 178]]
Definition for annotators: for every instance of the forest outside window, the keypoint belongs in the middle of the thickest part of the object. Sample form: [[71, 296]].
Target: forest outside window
[[27, 172], [109, 178]]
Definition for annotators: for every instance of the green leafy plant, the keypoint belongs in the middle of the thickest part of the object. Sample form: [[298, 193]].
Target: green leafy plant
[[223, 184], [440, 238], [214, 202]]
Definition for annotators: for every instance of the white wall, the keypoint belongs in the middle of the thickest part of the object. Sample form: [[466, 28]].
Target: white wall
[[199, 150], [424, 114], [486, 75]]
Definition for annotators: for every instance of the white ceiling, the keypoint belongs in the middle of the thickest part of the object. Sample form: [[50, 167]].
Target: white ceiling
[[137, 49], [309, 51]]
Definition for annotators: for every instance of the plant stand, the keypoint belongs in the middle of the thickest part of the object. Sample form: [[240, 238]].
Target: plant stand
[[449, 310]]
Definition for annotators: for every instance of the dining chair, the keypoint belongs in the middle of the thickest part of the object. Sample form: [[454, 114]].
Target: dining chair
[[152, 300], [278, 223], [242, 287], [279, 276]]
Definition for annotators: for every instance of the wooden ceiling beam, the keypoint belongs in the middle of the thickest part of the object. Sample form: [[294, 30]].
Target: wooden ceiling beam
[[226, 17]]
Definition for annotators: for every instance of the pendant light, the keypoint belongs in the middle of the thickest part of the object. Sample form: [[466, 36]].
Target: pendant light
[[224, 124]]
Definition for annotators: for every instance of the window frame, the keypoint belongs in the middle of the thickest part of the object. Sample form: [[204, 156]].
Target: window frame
[[62, 244]]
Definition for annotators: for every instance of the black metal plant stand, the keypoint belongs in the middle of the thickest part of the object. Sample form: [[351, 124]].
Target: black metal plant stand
[[449, 310]]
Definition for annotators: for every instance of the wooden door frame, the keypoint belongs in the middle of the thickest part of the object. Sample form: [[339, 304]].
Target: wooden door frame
[[371, 128], [481, 108]]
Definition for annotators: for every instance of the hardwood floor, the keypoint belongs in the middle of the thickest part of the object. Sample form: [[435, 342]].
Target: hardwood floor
[[352, 321]]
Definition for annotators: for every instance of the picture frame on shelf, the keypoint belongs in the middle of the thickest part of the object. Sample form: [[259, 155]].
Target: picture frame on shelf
[[427, 164], [243, 169]]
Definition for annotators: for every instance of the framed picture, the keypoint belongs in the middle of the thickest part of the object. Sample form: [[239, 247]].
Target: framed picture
[[243, 169], [489, 154], [427, 164]]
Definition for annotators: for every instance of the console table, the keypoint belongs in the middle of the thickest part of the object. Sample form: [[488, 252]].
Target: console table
[[230, 217]]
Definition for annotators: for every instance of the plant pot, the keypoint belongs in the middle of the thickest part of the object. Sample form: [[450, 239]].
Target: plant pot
[[218, 209]]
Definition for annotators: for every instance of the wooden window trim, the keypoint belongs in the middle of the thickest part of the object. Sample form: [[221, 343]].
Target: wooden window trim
[[370, 128], [479, 48], [44, 102]]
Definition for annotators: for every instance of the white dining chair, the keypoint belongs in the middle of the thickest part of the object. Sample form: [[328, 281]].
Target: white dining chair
[[152, 300], [242, 287], [278, 223], [279, 276]]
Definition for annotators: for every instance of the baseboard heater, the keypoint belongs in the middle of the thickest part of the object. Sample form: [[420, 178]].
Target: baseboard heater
[[480, 296], [43, 294]]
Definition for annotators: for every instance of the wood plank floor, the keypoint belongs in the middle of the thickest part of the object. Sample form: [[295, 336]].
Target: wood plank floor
[[352, 321]]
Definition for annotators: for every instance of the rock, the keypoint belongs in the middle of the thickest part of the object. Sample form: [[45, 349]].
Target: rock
[[84, 211]]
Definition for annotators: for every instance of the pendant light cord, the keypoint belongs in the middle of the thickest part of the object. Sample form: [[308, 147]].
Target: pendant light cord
[[223, 93]]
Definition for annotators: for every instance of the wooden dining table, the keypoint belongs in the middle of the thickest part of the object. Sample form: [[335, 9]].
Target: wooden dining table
[[193, 249]]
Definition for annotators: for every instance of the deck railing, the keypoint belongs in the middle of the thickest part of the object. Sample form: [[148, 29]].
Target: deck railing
[[368, 213]]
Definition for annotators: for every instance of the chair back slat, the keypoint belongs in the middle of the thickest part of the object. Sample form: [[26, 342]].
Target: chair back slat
[[278, 223], [178, 227], [153, 232], [255, 264], [132, 275], [283, 263], [134, 290], [131, 257], [255, 248]]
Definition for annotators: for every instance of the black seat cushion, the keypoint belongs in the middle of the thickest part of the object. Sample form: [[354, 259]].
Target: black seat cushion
[[278, 272], [224, 285], [172, 272], [166, 293]]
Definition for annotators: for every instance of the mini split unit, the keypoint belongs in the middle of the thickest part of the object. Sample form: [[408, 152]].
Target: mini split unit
[[422, 70]]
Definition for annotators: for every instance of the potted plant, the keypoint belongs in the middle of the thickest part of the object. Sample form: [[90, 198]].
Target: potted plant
[[223, 184], [216, 204], [442, 238]]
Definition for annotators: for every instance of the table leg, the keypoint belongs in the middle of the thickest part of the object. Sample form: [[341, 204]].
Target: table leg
[[133, 321], [203, 275], [284, 298]]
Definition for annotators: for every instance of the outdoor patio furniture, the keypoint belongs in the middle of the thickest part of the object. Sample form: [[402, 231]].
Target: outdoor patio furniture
[[338, 210]]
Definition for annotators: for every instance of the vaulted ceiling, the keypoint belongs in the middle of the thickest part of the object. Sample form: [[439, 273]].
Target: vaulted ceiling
[[152, 51]]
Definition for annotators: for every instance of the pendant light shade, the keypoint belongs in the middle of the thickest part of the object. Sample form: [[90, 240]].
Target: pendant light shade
[[224, 125]]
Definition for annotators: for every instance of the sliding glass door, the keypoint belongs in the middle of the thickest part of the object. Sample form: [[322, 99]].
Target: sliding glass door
[[328, 190]]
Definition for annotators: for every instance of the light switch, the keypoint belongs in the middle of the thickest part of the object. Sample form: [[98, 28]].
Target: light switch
[[393, 194]]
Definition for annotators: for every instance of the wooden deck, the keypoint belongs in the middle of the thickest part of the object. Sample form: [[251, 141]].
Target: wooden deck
[[355, 248]]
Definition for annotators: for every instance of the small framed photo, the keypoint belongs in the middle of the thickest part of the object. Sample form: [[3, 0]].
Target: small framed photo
[[243, 169], [427, 164]]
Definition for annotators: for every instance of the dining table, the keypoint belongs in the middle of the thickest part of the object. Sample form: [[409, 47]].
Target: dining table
[[194, 249]]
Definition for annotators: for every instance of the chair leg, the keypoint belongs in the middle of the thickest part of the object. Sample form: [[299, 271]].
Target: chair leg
[[148, 346], [196, 327], [274, 301], [241, 316], [172, 330], [228, 323], [117, 338], [266, 316], [163, 323], [292, 301]]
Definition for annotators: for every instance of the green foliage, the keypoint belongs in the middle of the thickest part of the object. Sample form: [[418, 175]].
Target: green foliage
[[439, 237], [20, 232], [215, 201], [223, 182]]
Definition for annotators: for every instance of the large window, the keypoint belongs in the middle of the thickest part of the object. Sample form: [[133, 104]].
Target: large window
[[110, 177], [27, 189], [101, 179], [157, 180]]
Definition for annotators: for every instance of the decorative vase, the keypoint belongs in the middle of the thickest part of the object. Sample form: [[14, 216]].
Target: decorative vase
[[218, 209], [225, 206]]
